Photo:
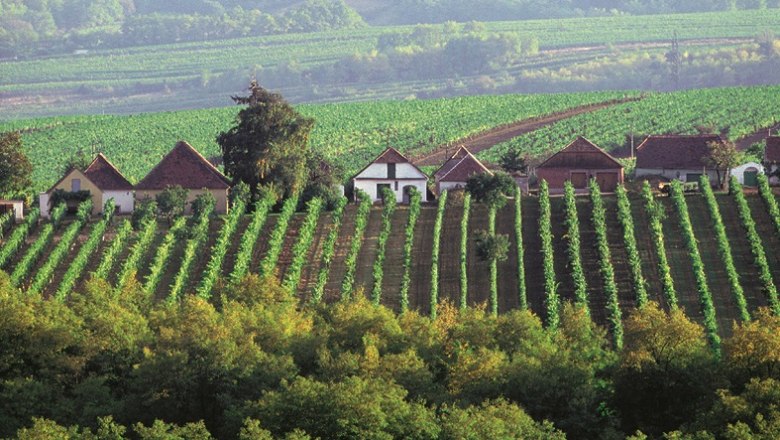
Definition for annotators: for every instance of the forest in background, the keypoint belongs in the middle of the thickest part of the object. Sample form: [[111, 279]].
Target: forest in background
[[55, 26]]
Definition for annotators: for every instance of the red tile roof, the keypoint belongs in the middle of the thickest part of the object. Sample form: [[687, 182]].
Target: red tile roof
[[105, 175], [772, 152], [390, 155], [581, 154], [675, 151], [186, 167], [460, 167]]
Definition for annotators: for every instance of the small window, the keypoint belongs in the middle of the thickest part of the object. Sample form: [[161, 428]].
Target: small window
[[391, 171], [75, 185], [396, 185]]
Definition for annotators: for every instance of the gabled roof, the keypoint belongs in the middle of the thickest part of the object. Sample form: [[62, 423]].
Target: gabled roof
[[460, 167], [105, 175], [581, 154], [772, 152], [70, 171], [675, 151], [186, 167], [391, 155]]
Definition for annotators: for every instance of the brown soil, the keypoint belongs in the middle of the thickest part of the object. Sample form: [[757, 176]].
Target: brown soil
[[487, 139]]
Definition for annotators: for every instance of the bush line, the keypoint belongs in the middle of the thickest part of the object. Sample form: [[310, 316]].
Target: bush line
[[34, 251], [756, 245], [162, 255], [437, 227], [724, 248], [361, 221], [552, 300], [45, 273], [199, 235], [388, 197], [629, 241], [599, 218], [301, 247], [85, 252], [574, 251], [276, 241], [18, 236], [218, 251], [114, 249], [705, 295], [769, 200], [328, 250], [464, 242], [521, 291], [411, 223], [493, 264], [655, 215], [249, 238], [130, 265]]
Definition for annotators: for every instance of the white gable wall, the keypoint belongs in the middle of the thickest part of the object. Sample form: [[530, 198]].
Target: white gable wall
[[402, 171], [124, 200]]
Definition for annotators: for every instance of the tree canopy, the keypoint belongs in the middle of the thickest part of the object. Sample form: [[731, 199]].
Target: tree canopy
[[15, 167]]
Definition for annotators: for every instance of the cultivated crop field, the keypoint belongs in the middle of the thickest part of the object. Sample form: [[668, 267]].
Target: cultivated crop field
[[710, 254], [350, 133]]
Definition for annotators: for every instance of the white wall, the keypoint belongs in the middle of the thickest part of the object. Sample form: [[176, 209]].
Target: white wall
[[369, 187], [124, 201], [43, 203], [379, 171], [674, 174], [450, 185], [739, 172]]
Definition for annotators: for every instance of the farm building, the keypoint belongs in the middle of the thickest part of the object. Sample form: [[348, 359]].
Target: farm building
[[457, 170], [747, 173], [15, 206], [579, 162], [681, 157], [772, 158], [112, 184], [186, 167], [392, 170]]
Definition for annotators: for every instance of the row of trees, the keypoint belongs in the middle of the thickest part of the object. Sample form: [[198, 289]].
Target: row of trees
[[55, 25]]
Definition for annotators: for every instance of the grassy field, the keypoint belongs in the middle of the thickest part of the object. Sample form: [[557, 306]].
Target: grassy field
[[477, 272]]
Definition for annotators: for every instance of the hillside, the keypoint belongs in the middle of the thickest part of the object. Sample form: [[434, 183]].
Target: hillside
[[477, 272], [399, 62]]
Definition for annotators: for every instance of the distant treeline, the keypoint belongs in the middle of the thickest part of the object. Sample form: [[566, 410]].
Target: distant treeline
[[53, 26], [436, 11], [32, 28]]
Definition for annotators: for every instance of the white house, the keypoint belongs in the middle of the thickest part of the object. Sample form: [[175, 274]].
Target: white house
[[747, 173], [680, 157], [392, 170], [457, 170]]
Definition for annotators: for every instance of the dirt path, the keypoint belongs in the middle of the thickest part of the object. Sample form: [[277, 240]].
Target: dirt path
[[487, 139]]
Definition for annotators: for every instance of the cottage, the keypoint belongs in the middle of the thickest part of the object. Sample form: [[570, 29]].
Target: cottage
[[579, 162], [772, 158], [747, 174], [101, 179], [457, 170], [186, 167], [391, 170], [681, 157], [14, 206]]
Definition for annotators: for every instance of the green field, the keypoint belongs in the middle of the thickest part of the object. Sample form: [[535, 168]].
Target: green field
[[119, 73], [351, 133]]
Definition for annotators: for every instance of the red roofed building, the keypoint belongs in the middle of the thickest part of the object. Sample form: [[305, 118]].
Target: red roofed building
[[457, 170], [186, 167], [112, 184], [393, 170], [681, 157], [579, 162], [101, 179], [772, 158]]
